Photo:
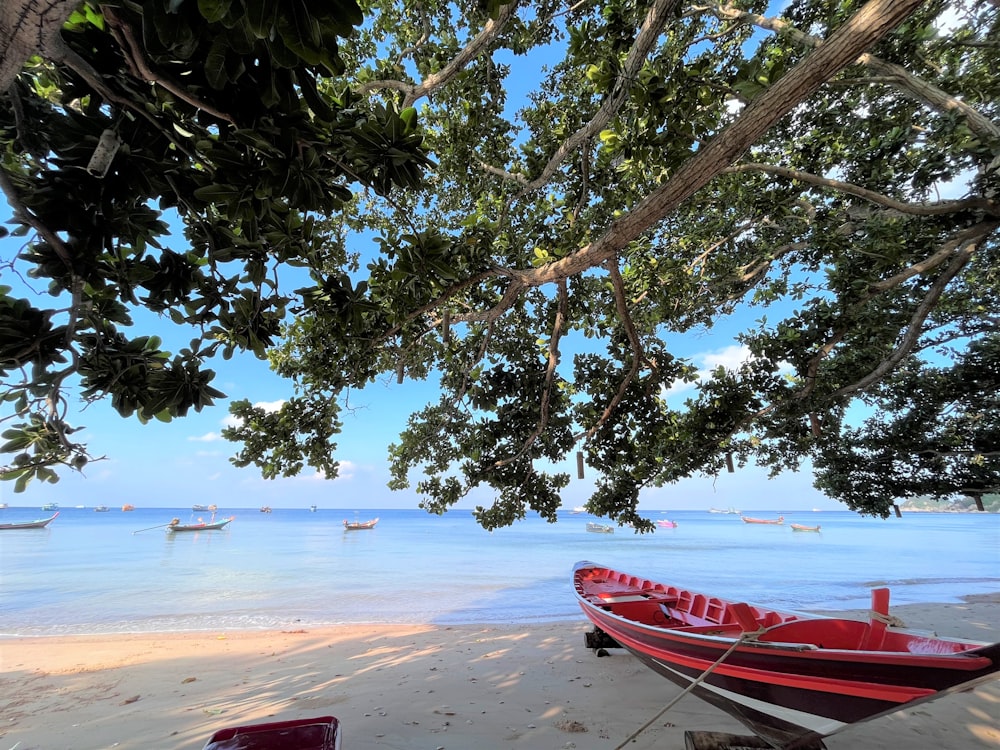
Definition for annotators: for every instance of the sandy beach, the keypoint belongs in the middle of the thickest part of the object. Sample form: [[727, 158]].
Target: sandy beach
[[414, 688]]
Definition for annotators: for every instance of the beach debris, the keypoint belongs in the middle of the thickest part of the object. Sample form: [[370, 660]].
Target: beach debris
[[186, 680], [133, 699], [568, 725]]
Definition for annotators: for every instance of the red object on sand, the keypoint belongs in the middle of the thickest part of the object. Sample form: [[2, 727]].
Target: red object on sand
[[320, 733]]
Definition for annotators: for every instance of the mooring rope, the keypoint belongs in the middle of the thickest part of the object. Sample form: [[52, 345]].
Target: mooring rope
[[890, 620], [743, 638]]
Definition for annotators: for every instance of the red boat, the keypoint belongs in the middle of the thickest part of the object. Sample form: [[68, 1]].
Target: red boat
[[359, 525], [776, 522], [791, 678]]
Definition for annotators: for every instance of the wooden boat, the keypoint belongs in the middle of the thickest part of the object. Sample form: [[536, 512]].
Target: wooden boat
[[213, 525], [600, 528], [773, 521], [666, 524], [128, 507], [360, 525], [39, 524], [791, 678], [800, 527]]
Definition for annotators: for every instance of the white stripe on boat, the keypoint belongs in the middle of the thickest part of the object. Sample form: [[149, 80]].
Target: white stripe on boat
[[813, 722]]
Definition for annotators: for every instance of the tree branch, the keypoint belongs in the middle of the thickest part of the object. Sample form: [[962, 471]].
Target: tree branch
[[653, 24], [550, 374], [898, 76], [937, 208]]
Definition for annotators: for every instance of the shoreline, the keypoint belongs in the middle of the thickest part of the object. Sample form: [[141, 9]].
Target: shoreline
[[403, 687]]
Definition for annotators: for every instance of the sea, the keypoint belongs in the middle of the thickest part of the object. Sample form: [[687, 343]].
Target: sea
[[120, 572]]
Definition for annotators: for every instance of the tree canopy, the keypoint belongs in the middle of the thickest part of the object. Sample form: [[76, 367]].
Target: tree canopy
[[829, 175]]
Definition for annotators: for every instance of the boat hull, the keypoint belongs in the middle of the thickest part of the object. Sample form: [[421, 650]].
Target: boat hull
[[360, 525], [772, 679], [214, 526], [39, 524]]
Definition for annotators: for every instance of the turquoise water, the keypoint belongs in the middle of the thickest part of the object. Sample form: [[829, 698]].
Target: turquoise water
[[90, 573]]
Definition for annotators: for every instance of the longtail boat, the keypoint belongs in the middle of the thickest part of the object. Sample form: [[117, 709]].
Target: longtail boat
[[359, 525], [791, 678], [773, 521], [666, 524], [39, 524], [800, 527], [213, 525]]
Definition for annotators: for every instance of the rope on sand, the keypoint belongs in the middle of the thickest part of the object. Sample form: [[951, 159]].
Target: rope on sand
[[743, 638]]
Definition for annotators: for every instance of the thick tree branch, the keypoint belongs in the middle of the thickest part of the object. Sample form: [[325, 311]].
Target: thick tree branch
[[868, 25], [30, 27]]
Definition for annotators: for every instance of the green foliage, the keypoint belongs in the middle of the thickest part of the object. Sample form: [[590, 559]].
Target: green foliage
[[236, 138], [538, 257]]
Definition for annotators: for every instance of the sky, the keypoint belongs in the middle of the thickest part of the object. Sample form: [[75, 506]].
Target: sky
[[186, 461]]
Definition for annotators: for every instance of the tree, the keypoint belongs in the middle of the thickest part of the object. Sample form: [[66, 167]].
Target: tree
[[678, 163]]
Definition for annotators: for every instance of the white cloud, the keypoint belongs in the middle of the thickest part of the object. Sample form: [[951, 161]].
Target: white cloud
[[208, 437], [729, 358], [269, 406], [347, 471]]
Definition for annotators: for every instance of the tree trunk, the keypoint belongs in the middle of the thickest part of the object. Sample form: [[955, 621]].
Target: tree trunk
[[30, 27]]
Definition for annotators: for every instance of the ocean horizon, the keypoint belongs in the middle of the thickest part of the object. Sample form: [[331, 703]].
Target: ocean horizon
[[119, 572]]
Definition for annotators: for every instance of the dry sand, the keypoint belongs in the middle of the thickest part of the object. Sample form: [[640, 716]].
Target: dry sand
[[414, 688]]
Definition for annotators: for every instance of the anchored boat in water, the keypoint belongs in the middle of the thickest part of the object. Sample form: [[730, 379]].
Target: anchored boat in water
[[791, 678]]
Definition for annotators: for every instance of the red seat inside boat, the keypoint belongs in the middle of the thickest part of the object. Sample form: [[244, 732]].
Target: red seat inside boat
[[822, 632]]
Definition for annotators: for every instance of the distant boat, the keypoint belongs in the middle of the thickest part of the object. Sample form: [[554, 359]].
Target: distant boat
[[579, 509], [775, 522], [39, 524], [198, 508], [213, 525], [128, 507], [359, 525], [663, 523], [4, 506], [312, 508], [50, 506], [600, 528], [101, 509], [800, 527], [731, 511], [266, 509]]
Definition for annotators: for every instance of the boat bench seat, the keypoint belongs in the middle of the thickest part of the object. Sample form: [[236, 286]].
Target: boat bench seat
[[825, 632]]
